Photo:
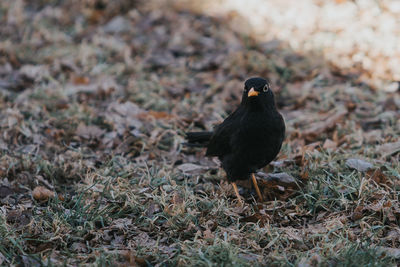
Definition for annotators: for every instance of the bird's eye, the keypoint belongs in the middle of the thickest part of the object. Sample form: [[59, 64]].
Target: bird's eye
[[266, 88]]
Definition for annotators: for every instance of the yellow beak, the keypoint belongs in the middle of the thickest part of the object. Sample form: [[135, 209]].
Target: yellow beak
[[252, 92]]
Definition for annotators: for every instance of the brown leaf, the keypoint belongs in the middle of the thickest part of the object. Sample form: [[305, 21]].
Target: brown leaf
[[19, 217], [377, 175], [350, 105], [317, 128], [81, 80], [357, 213], [159, 114], [57, 134], [62, 104], [299, 160], [41, 193], [311, 147], [277, 185], [304, 175], [140, 261]]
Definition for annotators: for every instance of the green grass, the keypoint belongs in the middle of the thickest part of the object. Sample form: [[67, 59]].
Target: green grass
[[121, 199]]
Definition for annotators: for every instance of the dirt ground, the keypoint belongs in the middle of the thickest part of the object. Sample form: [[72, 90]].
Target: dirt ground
[[95, 98]]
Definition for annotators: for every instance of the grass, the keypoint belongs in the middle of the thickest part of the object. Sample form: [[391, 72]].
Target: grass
[[120, 195]]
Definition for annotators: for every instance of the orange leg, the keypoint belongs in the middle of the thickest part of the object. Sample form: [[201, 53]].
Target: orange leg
[[237, 192], [253, 178]]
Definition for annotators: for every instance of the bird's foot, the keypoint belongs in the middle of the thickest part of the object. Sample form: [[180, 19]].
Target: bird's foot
[[237, 194], [253, 178]]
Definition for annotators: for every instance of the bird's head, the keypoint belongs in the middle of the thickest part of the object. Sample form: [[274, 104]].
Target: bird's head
[[257, 93]]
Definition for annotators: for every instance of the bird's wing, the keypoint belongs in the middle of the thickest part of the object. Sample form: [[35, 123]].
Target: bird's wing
[[220, 141]]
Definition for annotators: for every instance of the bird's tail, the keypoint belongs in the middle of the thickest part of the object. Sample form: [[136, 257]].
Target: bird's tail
[[198, 139]]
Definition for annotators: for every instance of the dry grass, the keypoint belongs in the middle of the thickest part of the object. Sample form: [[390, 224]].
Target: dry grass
[[95, 100]]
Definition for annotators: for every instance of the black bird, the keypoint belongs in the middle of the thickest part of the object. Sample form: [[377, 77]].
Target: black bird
[[249, 138]]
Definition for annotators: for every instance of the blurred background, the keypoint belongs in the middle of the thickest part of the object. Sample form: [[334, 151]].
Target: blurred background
[[359, 37]]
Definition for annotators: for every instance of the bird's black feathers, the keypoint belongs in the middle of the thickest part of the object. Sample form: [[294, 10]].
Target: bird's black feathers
[[199, 139], [250, 137]]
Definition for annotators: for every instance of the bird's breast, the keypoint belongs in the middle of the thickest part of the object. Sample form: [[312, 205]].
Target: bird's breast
[[261, 135]]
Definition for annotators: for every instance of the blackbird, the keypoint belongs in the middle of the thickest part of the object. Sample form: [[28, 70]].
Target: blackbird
[[249, 138]]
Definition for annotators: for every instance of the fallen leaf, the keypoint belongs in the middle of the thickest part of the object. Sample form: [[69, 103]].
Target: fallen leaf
[[357, 213], [282, 179], [140, 261], [122, 223], [35, 72], [388, 149], [293, 234], [153, 209], [117, 25], [89, 132], [277, 185], [41, 193], [30, 261], [373, 136], [371, 124], [359, 164], [191, 168], [391, 252], [376, 206], [319, 127], [81, 80], [159, 114], [329, 144], [207, 234], [78, 247], [5, 191], [304, 175], [377, 175], [282, 163], [19, 217], [393, 235], [124, 116]]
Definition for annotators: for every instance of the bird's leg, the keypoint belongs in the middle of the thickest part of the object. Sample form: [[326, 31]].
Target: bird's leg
[[253, 177], [237, 192]]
